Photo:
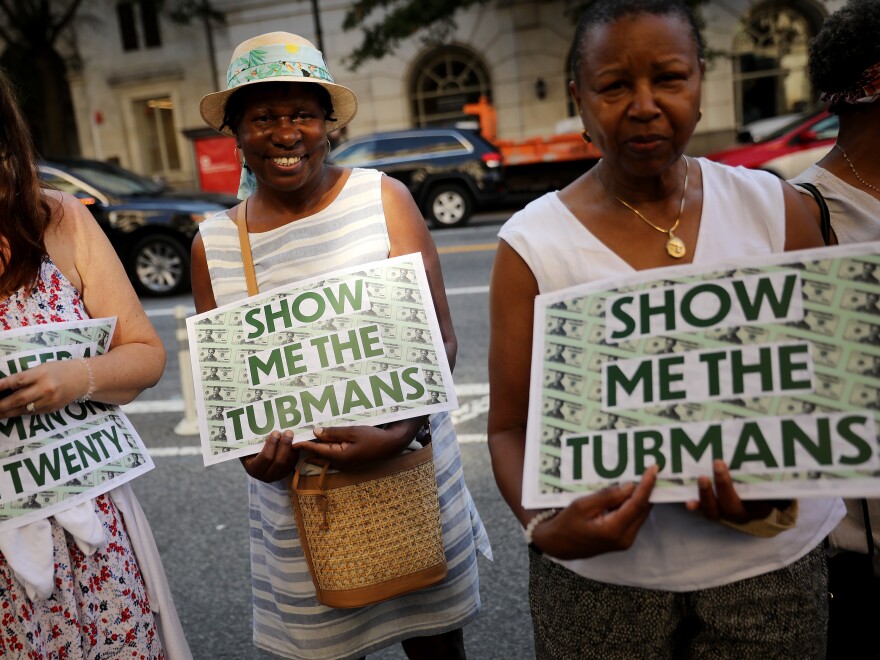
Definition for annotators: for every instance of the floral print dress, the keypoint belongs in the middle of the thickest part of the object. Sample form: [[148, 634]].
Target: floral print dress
[[99, 608]]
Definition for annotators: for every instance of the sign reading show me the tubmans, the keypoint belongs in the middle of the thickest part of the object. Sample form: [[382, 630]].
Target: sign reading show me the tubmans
[[356, 346], [772, 365]]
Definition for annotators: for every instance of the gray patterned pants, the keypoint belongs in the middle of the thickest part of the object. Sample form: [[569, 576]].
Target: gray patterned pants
[[782, 614]]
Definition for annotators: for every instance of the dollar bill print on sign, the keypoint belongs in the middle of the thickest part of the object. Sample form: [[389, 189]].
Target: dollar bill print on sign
[[52, 461], [356, 346], [770, 364]]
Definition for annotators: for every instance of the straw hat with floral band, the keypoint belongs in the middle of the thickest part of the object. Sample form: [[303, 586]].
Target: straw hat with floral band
[[277, 57]]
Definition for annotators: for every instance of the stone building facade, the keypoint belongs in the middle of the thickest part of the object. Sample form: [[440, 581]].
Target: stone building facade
[[137, 91]]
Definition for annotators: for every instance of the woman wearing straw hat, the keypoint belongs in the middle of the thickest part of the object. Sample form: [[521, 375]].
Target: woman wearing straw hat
[[305, 217]]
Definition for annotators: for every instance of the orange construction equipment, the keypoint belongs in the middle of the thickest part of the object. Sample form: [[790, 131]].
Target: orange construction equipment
[[556, 148]]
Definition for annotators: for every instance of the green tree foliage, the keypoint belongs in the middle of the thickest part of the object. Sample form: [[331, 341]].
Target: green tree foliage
[[385, 23], [30, 30], [33, 33]]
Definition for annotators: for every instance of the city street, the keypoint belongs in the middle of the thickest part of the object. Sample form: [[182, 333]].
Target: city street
[[199, 515]]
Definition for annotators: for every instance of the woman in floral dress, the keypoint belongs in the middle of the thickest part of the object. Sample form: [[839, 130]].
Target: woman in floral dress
[[76, 584]]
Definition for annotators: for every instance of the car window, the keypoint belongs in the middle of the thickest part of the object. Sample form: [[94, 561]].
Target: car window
[[418, 145], [827, 128], [354, 154], [60, 183], [114, 180]]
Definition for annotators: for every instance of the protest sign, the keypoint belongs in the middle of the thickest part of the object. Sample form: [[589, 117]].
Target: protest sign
[[52, 461], [356, 346], [771, 364]]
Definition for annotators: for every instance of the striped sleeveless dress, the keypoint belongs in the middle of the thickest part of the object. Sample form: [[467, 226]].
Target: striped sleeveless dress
[[288, 620]]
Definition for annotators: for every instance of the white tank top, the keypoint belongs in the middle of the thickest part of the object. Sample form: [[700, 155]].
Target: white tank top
[[855, 214], [676, 550]]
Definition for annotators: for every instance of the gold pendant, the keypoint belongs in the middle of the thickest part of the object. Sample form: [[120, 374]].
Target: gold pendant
[[675, 247]]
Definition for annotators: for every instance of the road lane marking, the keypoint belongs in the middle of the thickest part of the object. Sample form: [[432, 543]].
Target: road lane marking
[[456, 291], [474, 247]]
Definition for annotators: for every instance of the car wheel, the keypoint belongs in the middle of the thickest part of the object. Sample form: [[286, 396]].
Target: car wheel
[[159, 265], [449, 205]]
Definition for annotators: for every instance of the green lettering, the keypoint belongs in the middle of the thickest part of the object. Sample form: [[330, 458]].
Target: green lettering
[[845, 430], [251, 413], [687, 313], [618, 312], [235, 417], [13, 468], [665, 378], [354, 397], [409, 378], [712, 361], [252, 319], [577, 444], [665, 309], [622, 457], [751, 432], [288, 414], [641, 378], [272, 366], [380, 387], [792, 433], [368, 340], [788, 367], [327, 400], [346, 294], [680, 441], [641, 449], [52, 466], [765, 290], [68, 453], [319, 310]]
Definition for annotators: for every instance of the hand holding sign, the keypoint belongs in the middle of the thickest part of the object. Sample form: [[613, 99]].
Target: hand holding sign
[[351, 446], [605, 521], [276, 460], [723, 503], [49, 386]]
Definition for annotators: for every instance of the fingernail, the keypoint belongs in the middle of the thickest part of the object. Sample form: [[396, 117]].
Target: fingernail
[[275, 435], [318, 431], [288, 435], [628, 487]]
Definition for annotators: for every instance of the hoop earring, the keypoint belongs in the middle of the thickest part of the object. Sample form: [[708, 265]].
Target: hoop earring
[[586, 136], [329, 147], [239, 157]]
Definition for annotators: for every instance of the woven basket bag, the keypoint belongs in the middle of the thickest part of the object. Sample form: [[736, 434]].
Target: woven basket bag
[[371, 534]]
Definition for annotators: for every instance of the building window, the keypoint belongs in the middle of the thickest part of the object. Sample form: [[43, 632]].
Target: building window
[[138, 24], [770, 61], [443, 81], [154, 119]]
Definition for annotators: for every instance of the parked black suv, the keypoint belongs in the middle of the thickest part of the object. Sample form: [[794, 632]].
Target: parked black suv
[[150, 226], [450, 172]]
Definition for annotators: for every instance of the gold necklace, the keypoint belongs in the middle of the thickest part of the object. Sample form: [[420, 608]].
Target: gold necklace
[[853, 168], [675, 247]]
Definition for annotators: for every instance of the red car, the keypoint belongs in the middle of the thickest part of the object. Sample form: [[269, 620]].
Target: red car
[[788, 151]]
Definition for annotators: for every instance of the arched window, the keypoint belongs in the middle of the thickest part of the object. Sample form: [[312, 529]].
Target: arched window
[[770, 60], [442, 81]]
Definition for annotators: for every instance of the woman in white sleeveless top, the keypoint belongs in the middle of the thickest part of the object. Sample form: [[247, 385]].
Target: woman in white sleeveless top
[[845, 68], [611, 576], [307, 217]]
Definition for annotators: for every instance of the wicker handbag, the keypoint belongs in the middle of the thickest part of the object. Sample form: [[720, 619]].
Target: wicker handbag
[[370, 534]]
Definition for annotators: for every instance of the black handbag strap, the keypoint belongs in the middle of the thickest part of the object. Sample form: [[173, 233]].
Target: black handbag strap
[[825, 215], [869, 534]]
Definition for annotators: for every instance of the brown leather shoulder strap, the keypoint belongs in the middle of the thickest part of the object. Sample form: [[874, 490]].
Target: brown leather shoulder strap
[[247, 258]]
